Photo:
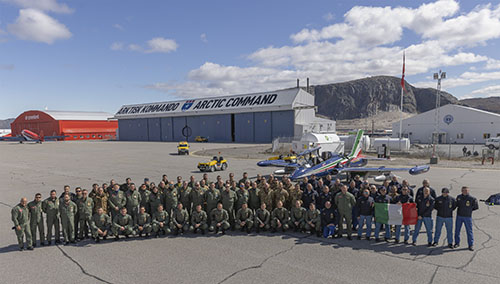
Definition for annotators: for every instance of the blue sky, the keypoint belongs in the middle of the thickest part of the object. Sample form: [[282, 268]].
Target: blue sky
[[98, 55]]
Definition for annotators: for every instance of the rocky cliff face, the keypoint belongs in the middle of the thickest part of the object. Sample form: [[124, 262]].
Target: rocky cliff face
[[366, 97], [491, 104]]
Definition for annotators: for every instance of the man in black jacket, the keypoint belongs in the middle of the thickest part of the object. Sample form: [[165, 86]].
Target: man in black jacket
[[404, 197], [465, 204], [425, 204], [364, 206], [444, 205], [328, 220]]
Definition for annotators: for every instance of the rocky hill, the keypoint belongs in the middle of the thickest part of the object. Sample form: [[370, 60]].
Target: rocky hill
[[5, 124], [488, 104], [366, 97]]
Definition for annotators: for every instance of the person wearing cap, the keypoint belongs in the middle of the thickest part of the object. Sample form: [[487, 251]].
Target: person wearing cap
[[404, 197], [425, 205], [444, 205], [465, 205]]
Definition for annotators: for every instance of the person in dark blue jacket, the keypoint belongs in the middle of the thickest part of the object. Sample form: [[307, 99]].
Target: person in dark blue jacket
[[364, 205], [425, 205], [328, 220], [404, 197], [444, 205], [309, 196], [382, 198], [465, 205], [324, 196], [425, 183]]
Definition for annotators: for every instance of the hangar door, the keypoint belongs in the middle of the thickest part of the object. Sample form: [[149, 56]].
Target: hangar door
[[133, 129], [283, 122], [263, 127], [243, 128], [154, 129], [166, 129], [179, 124]]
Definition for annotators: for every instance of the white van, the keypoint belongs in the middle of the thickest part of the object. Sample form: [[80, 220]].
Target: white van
[[493, 143]]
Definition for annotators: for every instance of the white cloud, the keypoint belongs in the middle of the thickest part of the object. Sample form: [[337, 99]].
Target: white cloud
[[492, 64], [159, 44], [34, 25], [117, 46], [203, 37], [465, 79], [42, 5], [487, 91], [155, 45], [118, 27], [365, 43], [329, 17], [134, 47]]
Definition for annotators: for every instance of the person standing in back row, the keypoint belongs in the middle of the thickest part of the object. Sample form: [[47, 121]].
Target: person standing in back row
[[465, 205], [444, 205], [425, 204]]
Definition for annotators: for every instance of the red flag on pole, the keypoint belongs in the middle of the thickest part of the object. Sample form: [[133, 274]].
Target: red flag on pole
[[403, 77]]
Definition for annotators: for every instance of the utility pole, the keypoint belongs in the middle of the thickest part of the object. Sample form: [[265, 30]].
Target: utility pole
[[435, 136]]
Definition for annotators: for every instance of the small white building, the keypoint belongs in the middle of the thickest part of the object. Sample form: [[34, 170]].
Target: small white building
[[456, 124], [329, 142]]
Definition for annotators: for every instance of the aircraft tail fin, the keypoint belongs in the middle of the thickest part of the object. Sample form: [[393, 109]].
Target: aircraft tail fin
[[356, 147]]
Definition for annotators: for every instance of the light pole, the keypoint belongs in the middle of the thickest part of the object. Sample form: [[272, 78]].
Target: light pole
[[435, 136]]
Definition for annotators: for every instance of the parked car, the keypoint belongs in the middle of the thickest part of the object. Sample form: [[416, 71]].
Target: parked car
[[493, 143]]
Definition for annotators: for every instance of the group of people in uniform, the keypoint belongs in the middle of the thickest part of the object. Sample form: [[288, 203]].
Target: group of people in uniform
[[320, 206]]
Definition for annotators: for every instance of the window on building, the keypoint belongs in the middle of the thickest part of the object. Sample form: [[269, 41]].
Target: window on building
[[498, 134], [460, 136], [486, 135]]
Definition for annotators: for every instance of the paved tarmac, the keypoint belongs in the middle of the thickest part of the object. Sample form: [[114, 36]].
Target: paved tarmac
[[233, 258]]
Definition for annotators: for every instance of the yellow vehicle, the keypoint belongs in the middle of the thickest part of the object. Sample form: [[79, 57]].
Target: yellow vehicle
[[183, 148], [201, 139], [216, 164], [291, 158]]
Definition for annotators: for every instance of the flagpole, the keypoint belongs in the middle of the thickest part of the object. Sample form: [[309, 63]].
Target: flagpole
[[401, 105]]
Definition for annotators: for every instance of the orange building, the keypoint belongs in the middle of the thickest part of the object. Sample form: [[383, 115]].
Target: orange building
[[77, 125]]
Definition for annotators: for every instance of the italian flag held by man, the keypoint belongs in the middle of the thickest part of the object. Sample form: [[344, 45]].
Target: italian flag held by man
[[396, 214]]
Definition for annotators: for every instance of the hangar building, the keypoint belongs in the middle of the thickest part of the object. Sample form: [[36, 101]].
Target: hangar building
[[456, 124], [77, 125], [249, 118]]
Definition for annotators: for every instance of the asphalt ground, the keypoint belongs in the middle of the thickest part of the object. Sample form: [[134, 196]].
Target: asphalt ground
[[232, 258]]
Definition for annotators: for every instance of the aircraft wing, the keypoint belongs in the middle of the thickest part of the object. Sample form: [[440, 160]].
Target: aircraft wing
[[11, 139], [308, 151], [277, 163], [383, 170]]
